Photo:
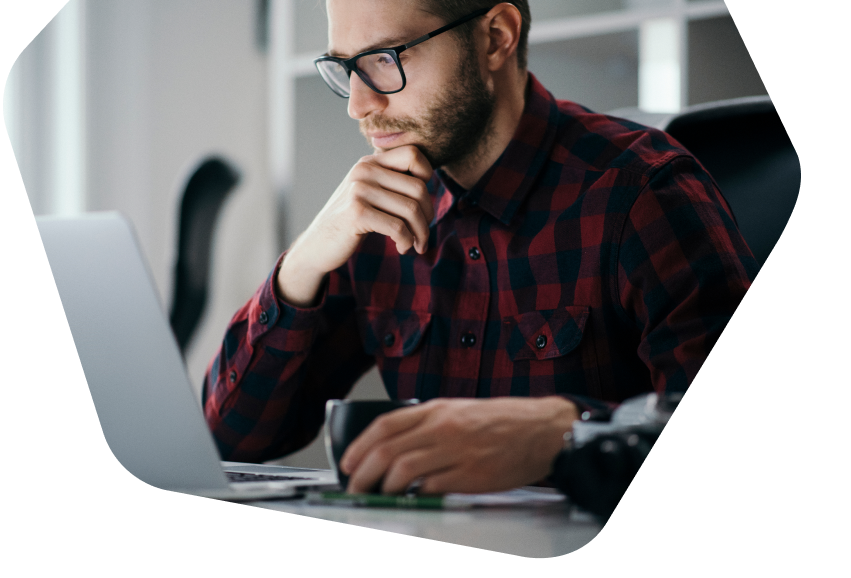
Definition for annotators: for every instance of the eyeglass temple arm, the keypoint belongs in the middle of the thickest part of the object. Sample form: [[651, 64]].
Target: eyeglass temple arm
[[443, 29]]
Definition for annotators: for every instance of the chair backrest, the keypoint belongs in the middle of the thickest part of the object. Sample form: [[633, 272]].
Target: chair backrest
[[743, 145], [203, 197]]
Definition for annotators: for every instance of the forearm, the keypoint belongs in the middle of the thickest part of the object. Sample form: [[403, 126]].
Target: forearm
[[265, 389]]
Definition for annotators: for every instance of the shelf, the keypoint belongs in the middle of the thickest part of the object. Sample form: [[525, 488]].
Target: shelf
[[555, 30]]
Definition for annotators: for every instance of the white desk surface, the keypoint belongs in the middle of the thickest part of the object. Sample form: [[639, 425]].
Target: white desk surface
[[536, 531]]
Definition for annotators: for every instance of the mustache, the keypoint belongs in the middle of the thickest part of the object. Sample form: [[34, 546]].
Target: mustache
[[385, 124]]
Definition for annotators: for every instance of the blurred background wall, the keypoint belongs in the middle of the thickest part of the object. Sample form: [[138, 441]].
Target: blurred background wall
[[116, 102]]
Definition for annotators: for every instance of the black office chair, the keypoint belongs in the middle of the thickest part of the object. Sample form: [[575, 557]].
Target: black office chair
[[203, 197], [743, 145]]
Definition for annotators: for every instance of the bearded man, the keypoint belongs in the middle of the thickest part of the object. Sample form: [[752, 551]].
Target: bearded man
[[555, 263]]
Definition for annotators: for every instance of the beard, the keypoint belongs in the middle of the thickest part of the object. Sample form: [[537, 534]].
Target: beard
[[455, 128]]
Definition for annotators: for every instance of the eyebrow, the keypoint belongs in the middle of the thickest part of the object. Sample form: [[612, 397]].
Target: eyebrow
[[389, 42]]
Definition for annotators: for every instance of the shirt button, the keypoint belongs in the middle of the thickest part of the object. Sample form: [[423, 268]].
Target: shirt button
[[389, 340], [263, 318], [468, 340], [541, 341], [474, 253], [232, 377]]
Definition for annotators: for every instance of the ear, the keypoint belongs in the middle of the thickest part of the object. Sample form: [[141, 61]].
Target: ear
[[503, 25]]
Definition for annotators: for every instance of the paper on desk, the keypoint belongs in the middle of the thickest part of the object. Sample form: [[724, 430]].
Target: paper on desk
[[518, 497]]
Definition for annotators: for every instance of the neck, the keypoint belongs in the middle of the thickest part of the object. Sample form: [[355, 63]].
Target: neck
[[510, 96]]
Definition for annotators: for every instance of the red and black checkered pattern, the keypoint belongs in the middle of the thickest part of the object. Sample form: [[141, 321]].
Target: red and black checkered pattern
[[596, 259]]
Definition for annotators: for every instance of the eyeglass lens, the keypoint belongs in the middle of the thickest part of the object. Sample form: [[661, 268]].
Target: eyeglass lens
[[378, 70]]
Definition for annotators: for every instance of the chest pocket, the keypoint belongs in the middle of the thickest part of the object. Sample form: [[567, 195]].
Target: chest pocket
[[392, 333], [544, 334]]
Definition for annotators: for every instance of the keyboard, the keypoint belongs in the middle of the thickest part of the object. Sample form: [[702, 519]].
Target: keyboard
[[243, 477]]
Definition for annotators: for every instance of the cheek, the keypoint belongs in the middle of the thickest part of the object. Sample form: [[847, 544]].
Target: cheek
[[410, 104], [425, 84]]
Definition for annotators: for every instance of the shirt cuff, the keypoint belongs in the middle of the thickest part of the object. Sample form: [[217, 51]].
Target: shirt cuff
[[268, 314]]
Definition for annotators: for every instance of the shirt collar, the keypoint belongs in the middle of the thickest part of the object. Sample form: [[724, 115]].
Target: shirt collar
[[504, 186]]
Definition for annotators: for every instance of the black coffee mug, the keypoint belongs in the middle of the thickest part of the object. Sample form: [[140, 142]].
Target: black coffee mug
[[346, 419]]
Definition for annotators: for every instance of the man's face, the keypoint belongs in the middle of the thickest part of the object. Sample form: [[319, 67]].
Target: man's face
[[445, 108]]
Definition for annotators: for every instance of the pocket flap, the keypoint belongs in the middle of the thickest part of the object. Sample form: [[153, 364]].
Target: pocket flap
[[545, 334], [392, 332]]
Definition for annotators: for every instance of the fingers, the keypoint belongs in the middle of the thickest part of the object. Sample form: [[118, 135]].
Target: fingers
[[378, 183], [396, 464], [407, 185], [402, 207], [410, 164], [372, 219], [383, 428], [396, 449], [372, 169], [375, 452], [406, 159]]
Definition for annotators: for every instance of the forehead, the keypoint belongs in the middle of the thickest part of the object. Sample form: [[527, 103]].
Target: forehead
[[355, 26]]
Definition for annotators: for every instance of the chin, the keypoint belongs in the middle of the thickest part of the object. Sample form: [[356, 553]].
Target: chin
[[404, 144]]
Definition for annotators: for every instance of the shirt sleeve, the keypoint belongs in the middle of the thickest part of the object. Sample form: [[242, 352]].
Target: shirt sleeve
[[683, 268], [265, 390]]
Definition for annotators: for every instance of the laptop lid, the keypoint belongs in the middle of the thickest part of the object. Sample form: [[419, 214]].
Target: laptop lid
[[146, 406]]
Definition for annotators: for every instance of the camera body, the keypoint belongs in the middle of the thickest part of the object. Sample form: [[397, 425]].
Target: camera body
[[601, 458]]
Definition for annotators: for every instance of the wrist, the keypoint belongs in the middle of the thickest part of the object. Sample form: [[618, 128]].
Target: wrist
[[563, 413], [297, 283], [560, 422]]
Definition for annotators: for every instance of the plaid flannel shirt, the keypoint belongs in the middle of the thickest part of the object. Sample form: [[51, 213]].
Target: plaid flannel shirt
[[596, 259]]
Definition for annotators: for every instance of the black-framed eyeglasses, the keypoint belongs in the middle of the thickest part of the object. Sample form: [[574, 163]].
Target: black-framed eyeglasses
[[378, 69]]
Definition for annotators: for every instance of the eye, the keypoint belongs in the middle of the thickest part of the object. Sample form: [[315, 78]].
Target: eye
[[385, 60]]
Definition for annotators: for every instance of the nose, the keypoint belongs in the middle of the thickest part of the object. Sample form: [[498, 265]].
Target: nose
[[363, 100]]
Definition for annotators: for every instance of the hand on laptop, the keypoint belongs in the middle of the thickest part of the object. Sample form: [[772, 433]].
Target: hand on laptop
[[383, 193], [460, 445]]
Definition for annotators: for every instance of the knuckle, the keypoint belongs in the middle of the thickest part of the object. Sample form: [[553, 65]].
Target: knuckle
[[379, 426], [357, 208], [397, 226], [363, 170], [384, 454], [422, 189], [449, 424], [411, 207], [357, 189], [439, 404]]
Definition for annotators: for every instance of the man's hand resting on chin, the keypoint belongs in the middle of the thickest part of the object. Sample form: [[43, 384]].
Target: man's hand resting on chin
[[384, 193], [460, 445]]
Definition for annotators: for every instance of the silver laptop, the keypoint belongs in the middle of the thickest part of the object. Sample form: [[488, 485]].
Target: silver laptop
[[147, 408]]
